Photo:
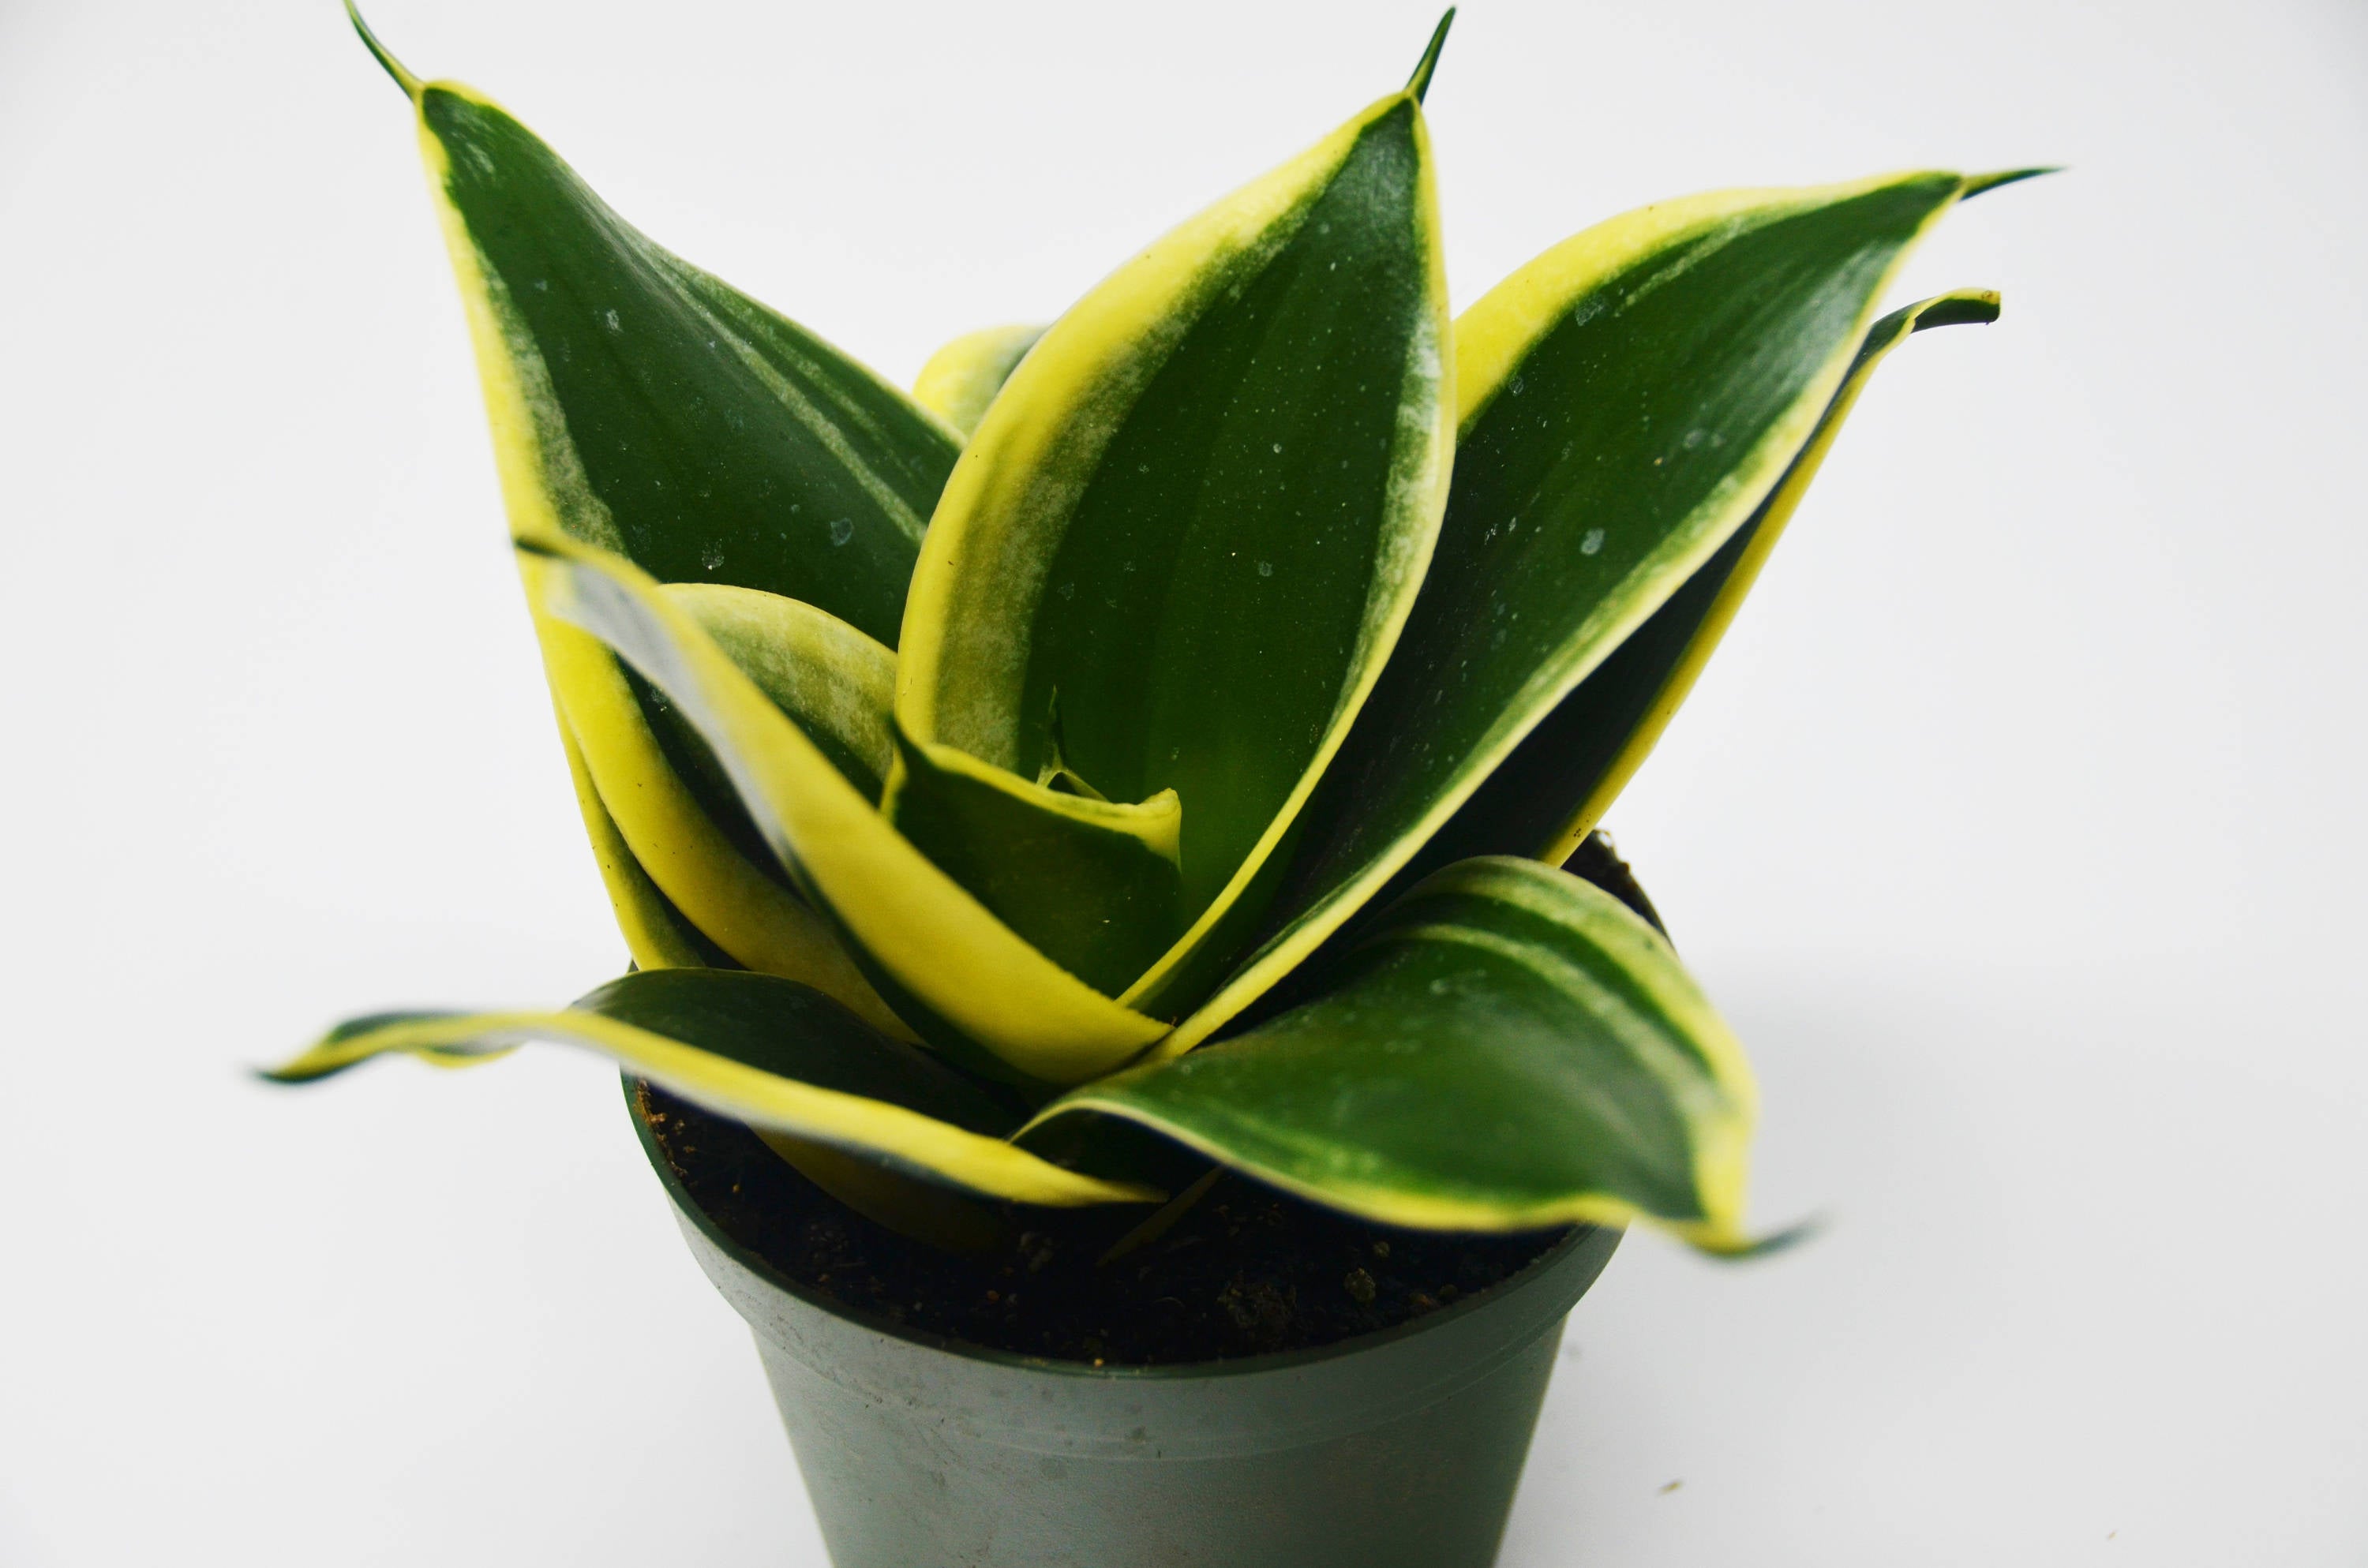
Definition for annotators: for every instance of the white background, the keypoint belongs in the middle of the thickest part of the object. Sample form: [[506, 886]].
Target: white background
[[2018, 827]]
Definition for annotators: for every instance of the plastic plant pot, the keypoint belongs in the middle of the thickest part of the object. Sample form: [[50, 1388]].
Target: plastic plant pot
[[1399, 1448]]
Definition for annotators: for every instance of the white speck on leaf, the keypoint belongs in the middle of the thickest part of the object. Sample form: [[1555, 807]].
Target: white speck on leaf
[[841, 530], [711, 556], [614, 324], [1592, 542], [1265, 568]]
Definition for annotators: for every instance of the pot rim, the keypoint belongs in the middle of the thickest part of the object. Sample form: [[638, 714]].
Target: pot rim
[[1231, 1365]]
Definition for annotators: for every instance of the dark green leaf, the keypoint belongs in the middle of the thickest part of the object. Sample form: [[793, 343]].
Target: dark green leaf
[[1194, 519], [1545, 797], [792, 1031], [1091, 884], [941, 961], [1509, 1046], [650, 409], [1629, 400], [779, 1056]]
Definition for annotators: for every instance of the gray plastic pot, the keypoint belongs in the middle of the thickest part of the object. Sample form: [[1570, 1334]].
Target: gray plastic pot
[[1394, 1449]]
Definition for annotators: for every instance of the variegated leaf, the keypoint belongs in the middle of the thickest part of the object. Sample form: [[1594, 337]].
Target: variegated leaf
[[1629, 400], [1093, 885], [1545, 797], [962, 378], [1197, 515], [947, 966], [779, 1056], [1508, 1047]]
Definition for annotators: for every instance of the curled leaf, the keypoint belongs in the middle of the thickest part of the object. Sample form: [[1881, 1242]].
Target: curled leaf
[[777, 1055], [1509, 1046]]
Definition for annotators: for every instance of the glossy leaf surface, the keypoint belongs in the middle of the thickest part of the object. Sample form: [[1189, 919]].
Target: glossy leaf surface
[[1544, 799], [646, 407], [1628, 401], [837, 685], [951, 969], [1342, 596], [641, 404], [834, 682], [684, 848], [1093, 885], [774, 1054], [962, 378], [1197, 515], [1509, 1046]]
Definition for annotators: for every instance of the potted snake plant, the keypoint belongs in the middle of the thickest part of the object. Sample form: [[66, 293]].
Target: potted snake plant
[[1126, 996]]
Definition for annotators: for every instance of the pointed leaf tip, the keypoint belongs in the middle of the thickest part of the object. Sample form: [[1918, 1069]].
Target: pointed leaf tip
[[1739, 1248], [379, 51], [1419, 83], [1962, 307], [1978, 185]]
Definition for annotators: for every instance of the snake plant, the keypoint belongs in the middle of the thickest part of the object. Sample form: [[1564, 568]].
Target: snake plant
[[1177, 717]]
